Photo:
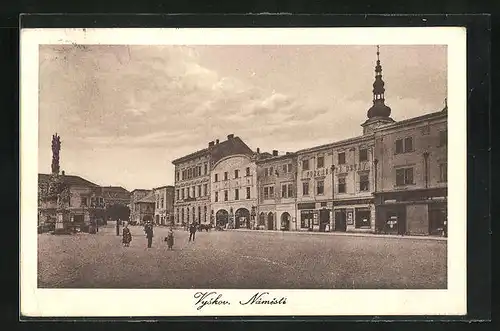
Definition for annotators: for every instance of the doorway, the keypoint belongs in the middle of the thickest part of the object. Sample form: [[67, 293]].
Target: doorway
[[340, 220], [285, 221], [270, 221]]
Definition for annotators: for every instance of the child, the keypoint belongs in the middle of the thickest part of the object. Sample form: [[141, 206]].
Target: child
[[127, 236], [170, 238]]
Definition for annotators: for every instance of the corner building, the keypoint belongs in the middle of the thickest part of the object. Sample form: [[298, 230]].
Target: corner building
[[411, 193], [192, 179]]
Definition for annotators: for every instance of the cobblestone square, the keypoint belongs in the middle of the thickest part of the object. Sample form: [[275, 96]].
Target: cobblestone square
[[233, 259]]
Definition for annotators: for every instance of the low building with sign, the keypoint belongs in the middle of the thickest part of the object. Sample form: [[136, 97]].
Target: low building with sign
[[411, 193], [277, 187]]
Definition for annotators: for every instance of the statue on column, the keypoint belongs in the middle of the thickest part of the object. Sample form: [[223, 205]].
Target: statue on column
[[56, 147]]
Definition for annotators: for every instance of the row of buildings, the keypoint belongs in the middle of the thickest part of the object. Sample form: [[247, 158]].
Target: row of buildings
[[392, 178]]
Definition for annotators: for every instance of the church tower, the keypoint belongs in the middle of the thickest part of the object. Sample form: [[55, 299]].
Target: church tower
[[379, 114]]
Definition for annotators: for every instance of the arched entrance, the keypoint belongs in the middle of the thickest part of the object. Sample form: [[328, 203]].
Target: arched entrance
[[221, 217], [242, 218], [262, 220], [285, 221], [270, 221]]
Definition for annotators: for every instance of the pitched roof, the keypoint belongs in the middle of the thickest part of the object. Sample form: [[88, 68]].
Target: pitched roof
[[71, 180], [150, 198], [114, 189], [233, 145]]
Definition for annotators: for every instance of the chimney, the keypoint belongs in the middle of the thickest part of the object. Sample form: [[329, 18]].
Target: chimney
[[216, 141], [210, 144], [63, 173], [230, 136], [287, 153], [258, 150], [275, 152]]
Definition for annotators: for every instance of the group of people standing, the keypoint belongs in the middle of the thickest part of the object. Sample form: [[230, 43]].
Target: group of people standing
[[148, 230]]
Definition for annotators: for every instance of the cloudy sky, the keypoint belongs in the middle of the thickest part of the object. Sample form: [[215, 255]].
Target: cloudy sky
[[125, 112]]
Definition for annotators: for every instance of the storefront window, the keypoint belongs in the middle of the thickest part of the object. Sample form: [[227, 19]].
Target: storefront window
[[306, 219], [363, 218]]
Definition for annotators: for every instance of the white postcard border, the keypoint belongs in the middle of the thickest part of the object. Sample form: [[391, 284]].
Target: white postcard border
[[134, 302]]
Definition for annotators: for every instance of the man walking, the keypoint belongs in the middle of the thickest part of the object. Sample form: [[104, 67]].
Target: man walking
[[192, 230], [149, 233]]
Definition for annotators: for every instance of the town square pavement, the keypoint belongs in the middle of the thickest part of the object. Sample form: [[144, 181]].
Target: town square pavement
[[240, 259]]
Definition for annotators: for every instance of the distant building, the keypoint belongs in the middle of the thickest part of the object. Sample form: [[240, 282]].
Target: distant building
[[277, 191], [164, 205], [192, 179], [136, 212]]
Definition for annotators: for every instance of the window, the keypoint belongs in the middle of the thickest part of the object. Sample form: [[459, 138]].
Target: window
[[205, 166], [408, 144], [289, 166], [162, 205], [320, 187], [271, 173], [236, 194], [225, 175], [271, 192], [363, 154], [266, 193], [362, 218], [248, 171], [182, 194], [341, 158], [341, 185], [199, 190], [236, 173], [176, 194], [443, 138], [305, 188], [216, 177], [83, 201], [284, 168], [199, 213], [225, 195], [205, 189], [290, 191], [404, 145], [248, 192], [177, 176], [266, 172], [364, 182], [404, 176], [443, 172], [305, 164], [283, 191], [287, 191], [194, 191], [216, 197], [321, 162]]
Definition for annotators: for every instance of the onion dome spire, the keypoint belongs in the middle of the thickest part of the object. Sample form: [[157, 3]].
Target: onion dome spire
[[379, 109]]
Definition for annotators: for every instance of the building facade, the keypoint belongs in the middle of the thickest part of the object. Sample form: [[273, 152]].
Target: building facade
[[79, 204], [135, 210], [192, 179], [164, 208], [411, 193], [277, 189], [234, 191]]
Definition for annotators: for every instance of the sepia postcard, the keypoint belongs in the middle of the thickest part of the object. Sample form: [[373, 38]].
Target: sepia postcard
[[243, 172]]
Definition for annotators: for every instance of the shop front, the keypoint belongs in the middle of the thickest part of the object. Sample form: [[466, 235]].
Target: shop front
[[418, 212], [353, 216], [314, 217]]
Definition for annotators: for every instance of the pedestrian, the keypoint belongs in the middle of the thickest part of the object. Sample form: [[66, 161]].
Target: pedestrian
[[192, 231], [170, 238], [149, 233], [127, 236]]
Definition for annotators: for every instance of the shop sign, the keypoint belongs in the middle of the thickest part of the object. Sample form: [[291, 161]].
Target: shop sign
[[350, 217], [343, 168], [306, 206], [315, 173]]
